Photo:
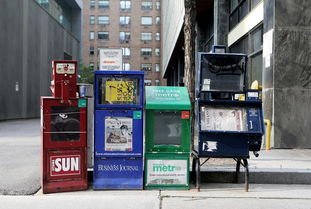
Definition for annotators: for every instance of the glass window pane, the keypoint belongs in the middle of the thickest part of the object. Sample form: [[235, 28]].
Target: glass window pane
[[256, 40], [167, 128], [146, 67], [146, 20], [254, 3], [255, 70], [233, 4], [103, 4], [103, 35], [92, 36], [157, 67], [146, 5], [158, 37], [115, 90], [65, 123], [146, 36], [244, 9], [103, 20], [234, 19]]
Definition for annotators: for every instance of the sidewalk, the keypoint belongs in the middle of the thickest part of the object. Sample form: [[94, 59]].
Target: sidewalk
[[20, 162], [216, 196]]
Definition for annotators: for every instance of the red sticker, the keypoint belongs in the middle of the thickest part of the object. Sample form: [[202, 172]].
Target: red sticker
[[185, 114], [65, 165]]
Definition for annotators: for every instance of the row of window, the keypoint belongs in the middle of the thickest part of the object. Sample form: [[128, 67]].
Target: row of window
[[145, 52], [239, 9], [125, 4], [124, 20], [124, 36], [143, 67]]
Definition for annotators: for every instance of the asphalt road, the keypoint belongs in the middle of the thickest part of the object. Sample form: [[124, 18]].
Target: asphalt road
[[19, 157]]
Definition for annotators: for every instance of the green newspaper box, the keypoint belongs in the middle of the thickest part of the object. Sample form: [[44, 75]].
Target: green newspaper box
[[167, 137]]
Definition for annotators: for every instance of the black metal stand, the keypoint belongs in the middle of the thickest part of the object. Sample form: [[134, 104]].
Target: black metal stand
[[196, 164]]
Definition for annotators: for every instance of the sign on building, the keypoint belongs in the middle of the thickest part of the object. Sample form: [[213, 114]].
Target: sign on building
[[110, 59]]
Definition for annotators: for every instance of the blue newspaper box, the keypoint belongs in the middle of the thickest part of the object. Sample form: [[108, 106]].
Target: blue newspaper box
[[118, 146], [230, 116]]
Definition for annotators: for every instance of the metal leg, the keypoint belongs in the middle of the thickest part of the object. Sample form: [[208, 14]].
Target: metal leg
[[193, 179], [246, 174], [237, 170], [198, 174]]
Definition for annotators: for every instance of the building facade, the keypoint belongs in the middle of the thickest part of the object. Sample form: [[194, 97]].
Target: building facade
[[275, 34], [33, 33], [133, 25]]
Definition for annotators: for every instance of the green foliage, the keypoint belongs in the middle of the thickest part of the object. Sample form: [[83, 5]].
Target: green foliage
[[85, 74]]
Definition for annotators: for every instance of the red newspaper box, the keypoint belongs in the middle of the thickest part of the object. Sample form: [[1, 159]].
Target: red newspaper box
[[64, 135]]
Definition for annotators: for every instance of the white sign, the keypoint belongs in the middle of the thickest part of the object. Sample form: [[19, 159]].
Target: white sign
[[65, 165], [110, 59], [118, 134], [267, 43], [167, 172], [65, 68]]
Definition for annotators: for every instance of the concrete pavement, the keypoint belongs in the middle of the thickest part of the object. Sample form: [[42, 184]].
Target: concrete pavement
[[20, 162], [211, 196], [19, 157]]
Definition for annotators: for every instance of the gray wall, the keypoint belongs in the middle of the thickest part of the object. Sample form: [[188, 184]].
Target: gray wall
[[290, 87], [29, 40]]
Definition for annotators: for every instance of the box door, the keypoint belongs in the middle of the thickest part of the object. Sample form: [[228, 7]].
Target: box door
[[118, 133]]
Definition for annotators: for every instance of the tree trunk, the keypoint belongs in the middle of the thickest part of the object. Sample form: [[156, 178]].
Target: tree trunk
[[190, 34]]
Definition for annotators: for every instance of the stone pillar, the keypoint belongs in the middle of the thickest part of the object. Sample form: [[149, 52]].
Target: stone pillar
[[287, 75], [221, 22]]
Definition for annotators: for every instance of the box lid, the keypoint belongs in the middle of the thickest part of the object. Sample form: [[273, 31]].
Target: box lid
[[167, 98]]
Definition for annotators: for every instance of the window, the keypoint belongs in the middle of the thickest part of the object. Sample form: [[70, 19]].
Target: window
[[256, 40], [254, 3], [103, 35], [103, 4], [158, 5], [92, 4], [157, 82], [251, 44], [147, 82], [158, 37], [126, 66], [91, 50], [91, 65], [157, 68], [146, 67], [146, 52], [125, 20], [92, 19], [146, 20], [146, 5], [146, 36], [157, 52], [158, 20], [103, 20], [126, 52], [239, 9], [125, 4], [125, 36], [92, 35]]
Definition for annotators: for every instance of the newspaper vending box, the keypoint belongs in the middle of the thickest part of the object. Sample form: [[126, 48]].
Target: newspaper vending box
[[230, 116], [118, 130], [64, 135], [167, 138]]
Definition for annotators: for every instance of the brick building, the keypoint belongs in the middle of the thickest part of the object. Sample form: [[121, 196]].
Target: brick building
[[133, 25]]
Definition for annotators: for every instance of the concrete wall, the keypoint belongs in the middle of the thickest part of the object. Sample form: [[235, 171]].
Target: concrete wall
[[29, 40], [290, 86], [172, 21]]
